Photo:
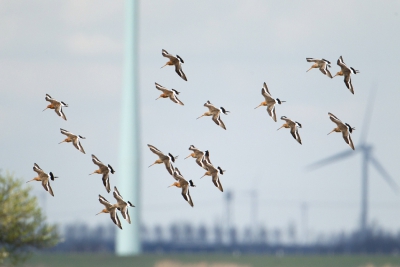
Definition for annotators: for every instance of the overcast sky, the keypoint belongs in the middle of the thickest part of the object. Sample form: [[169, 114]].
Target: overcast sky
[[73, 50]]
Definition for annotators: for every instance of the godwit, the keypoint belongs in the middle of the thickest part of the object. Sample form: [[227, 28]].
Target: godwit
[[321, 64], [169, 93], [122, 205], [174, 61], [345, 128], [74, 139], [110, 208], [213, 172], [182, 183], [215, 113], [346, 71], [166, 159], [104, 170], [56, 105], [269, 102], [197, 154], [294, 126], [44, 178]]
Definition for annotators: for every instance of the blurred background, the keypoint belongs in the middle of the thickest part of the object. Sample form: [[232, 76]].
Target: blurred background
[[74, 51]]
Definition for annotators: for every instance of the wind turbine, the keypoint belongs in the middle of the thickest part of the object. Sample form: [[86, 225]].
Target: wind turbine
[[366, 150]]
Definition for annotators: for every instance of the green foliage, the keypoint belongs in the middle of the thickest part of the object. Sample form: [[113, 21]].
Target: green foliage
[[22, 224]]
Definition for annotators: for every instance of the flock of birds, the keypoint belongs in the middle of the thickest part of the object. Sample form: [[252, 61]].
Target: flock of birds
[[103, 169], [202, 157]]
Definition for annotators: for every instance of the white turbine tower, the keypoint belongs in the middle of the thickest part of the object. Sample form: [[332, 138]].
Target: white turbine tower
[[368, 158]]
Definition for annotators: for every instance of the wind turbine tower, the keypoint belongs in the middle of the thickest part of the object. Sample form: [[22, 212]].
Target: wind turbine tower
[[367, 158]]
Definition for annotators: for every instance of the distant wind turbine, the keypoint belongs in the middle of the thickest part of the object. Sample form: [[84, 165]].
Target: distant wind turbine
[[367, 158]]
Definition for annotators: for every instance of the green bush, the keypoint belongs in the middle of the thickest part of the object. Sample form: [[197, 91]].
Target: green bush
[[22, 224]]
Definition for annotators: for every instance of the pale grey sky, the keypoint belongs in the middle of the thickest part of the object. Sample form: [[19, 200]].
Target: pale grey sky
[[73, 50]]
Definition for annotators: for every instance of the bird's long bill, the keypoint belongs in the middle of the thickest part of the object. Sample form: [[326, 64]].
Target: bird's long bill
[[62, 141], [331, 132], [30, 180], [92, 173], [188, 156], [203, 176], [44, 109], [151, 165], [164, 65], [158, 98], [280, 128], [309, 69], [170, 185], [99, 212], [334, 76], [200, 117], [259, 105]]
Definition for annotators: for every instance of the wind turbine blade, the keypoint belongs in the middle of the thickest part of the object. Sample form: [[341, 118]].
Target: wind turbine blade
[[331, 159], [368, 113], [384, 174]]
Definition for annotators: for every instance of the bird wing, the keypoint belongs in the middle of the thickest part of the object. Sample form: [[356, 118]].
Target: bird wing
[[217, 119], [271, 111], [125, 213], [199, 160], [78, 145], [335, 119], [65, 132], [342, 65], [178, 69], [211, 107], [60, 113], [186, 194], [216, 181], [37, 169], [347, 138], [347, 81], [47, 187], [168, 165], [309, 59], [324, 69], [295, 133], [162, 88], [177, 174], [156, 151], [168, 55], [175, 99], [114, 217], [265, 92], [106, 181], [104, 201], [97, 161]]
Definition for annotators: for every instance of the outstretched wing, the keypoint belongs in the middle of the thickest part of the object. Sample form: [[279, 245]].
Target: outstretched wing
[[178, 69], [60, 112], [216, 118], [78, 145], [155, 150]]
